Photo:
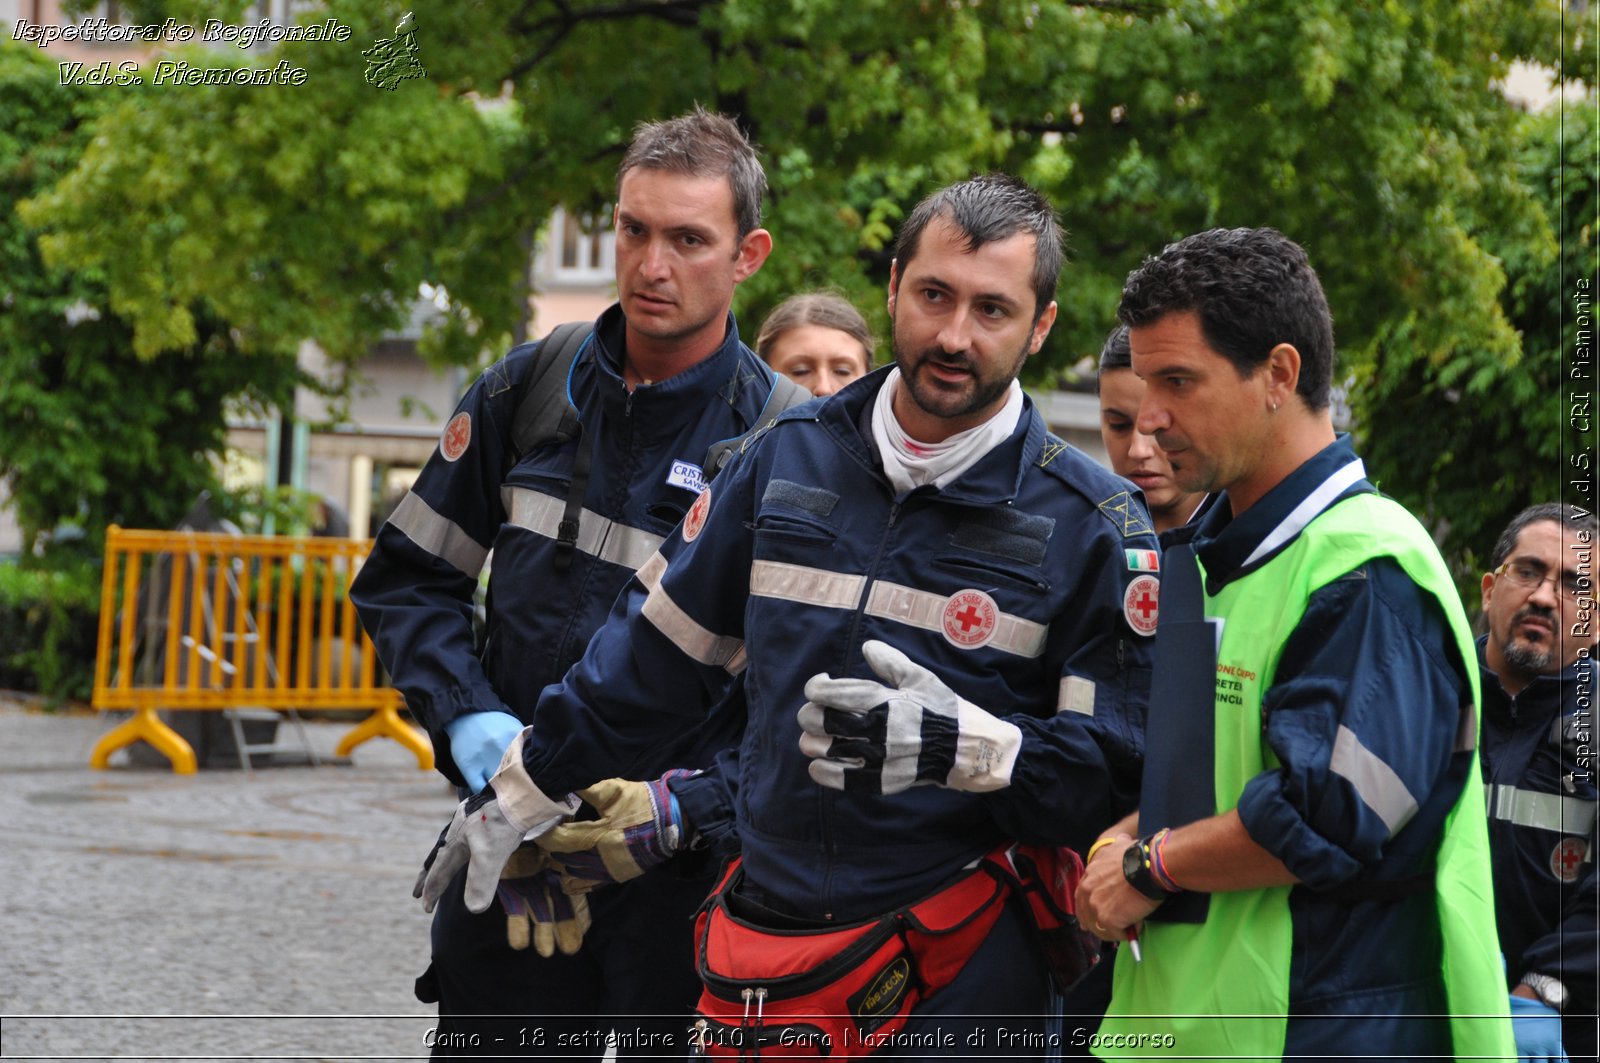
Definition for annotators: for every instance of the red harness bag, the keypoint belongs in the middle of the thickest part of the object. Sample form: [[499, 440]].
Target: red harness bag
[[845, 992], [839, 992]]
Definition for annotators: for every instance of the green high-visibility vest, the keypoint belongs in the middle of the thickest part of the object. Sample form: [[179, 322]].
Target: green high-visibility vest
[[1222, 987]]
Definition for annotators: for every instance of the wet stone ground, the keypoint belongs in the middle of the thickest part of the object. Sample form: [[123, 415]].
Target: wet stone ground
[[229, 914]]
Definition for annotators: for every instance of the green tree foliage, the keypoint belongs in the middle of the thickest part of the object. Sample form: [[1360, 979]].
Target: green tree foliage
[[1472, 435], [1373, 133], [90, 434]]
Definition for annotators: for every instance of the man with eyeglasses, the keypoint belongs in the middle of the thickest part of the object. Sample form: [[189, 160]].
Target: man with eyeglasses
[[1538, 762]]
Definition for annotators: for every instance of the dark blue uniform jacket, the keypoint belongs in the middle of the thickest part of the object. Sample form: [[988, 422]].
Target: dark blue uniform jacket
[[1538, 770], [801, 554], [415, 591]]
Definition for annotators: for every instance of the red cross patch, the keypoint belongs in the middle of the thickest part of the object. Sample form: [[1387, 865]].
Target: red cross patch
[[457, 434], [1142, 604], [1566, 860], [696, 520], [969, 619]]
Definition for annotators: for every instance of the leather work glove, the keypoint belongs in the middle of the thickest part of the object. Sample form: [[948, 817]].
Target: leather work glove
[[487, 828], [477, 742], [537, 911], [1537, 1029], [868, 737], [640, 826]]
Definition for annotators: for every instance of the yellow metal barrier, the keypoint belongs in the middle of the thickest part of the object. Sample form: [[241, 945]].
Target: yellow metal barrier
[[193, 620]]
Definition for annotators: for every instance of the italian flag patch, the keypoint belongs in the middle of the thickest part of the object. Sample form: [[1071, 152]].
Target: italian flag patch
[[1143, 561]]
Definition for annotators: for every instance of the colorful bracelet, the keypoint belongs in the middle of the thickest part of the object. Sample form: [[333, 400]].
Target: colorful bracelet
[[1095, 848], [1158, 862]]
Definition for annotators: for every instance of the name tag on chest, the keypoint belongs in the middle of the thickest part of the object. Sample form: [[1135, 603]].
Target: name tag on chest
[[687, 475]]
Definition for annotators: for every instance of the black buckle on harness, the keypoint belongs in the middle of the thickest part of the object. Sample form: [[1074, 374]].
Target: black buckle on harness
[[566, 542]]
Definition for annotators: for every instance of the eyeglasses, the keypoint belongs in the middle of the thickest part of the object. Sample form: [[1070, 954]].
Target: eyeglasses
[[1531, 575]]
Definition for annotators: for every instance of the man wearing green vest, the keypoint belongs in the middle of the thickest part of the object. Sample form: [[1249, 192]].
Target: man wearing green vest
[[1308, 872]]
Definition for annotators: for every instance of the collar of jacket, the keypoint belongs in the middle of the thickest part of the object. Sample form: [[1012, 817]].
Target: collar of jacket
[[995, 478], [723, 376], [1223, 543], [1541, 698]]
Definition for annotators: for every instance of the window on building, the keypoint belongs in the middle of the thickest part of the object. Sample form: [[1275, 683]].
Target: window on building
[[579, 248]]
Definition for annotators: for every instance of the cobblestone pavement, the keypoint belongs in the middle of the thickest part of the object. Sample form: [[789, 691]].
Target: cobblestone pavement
[[224, 915]]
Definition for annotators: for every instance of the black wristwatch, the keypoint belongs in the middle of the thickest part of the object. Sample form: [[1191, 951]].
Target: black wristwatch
[[1136, 869]]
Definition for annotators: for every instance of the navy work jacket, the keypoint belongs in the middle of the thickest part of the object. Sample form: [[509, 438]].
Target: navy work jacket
[[1013, 583], [1538, 771], [415, 592]]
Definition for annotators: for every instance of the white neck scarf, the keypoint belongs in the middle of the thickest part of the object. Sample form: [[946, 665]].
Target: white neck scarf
[[910, 464]]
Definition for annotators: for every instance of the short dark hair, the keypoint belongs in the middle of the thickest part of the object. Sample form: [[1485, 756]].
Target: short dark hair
[[1114, 354], [1252, 289], [702, 144], [826, 309], [993, 206], [1574, 518]]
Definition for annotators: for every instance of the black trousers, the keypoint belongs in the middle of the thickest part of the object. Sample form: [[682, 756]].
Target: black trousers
[[634, 974]]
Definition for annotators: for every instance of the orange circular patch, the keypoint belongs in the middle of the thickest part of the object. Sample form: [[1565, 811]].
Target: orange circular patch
[[970, 618], [457, 436], [696, 520]]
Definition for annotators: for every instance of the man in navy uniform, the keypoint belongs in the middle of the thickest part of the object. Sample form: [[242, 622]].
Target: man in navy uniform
[[940, 614], [662, 377], [1539, 688]]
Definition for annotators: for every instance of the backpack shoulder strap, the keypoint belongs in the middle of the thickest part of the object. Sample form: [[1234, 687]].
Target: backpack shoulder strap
[[785, 394], [544, 415]]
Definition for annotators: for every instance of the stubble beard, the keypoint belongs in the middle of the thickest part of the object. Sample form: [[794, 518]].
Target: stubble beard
[[938, 400], [1525, 658]]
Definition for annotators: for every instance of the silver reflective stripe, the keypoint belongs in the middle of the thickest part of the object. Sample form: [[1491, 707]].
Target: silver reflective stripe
[[1376, 783], [441, 537], [598, 537], [1528, 808], [806, 585], [891, 601], [1307, 510], [707, 647], [1077, 695]]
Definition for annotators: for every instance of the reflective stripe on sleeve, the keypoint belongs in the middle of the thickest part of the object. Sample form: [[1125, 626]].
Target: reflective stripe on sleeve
[[920, 609], [1379, 788], [438, 535], [1076, 695], [1529, 808], [608, 540], [707, 647]]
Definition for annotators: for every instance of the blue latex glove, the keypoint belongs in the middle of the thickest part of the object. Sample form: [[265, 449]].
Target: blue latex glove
[[1537, 1029], [477, 742]]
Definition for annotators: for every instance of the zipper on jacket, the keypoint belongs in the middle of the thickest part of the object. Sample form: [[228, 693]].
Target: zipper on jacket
[[872, 577], [855, 633]]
